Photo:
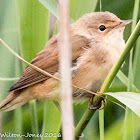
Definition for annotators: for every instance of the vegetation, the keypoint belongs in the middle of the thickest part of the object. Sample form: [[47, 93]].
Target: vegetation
[[25, 27]]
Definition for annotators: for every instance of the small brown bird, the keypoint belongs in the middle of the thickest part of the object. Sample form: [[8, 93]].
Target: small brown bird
[[97, 42]]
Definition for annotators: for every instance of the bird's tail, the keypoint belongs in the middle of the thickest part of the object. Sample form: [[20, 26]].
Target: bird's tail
[[14, 100]]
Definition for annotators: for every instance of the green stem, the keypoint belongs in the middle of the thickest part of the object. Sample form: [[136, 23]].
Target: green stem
[[9, 79], [18, 112], [83, 122], [101, 112], [34, 117], [88, 114], [18, 122], [128, 112], [128, 125], [101, 123]]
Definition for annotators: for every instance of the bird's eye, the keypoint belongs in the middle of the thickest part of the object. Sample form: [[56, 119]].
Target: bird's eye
[[102, 27]]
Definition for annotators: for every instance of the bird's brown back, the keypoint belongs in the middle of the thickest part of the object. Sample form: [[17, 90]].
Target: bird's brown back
[[48, 60]]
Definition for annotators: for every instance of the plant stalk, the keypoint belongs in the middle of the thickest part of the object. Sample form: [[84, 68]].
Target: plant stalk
[[88, 113]]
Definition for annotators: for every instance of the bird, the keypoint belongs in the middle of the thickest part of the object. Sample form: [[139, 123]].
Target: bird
[[97, 43]]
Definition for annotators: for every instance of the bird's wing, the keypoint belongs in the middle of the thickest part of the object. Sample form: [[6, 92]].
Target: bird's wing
[[48, 60]]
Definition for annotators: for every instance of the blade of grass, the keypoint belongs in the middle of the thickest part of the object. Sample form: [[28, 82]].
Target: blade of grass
[[77, 9], [137, 65], [88, 114], [101, 112], [51, 5], [100, 5], [124, 80], [32, 23], [115, 131], [9, 31], [136, 62], [18, 112], [136, 81], [101, 122], [9, 79], [129, 113], [18, 122], [51, 123], [34, 117]]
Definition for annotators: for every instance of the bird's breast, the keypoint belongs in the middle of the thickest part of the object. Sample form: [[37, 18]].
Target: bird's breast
[[94, 66]]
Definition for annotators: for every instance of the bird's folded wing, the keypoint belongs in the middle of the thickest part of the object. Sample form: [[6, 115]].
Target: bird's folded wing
[[48, 60]]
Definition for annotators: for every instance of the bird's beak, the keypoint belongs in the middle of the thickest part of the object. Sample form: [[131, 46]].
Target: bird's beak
[[125, 22]]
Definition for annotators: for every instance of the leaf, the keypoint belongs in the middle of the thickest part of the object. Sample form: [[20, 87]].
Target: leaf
[[77, 9], [33, 27], [33, 33], [9, 32], [51, 5], [124, 80], [130, 99], [137, 65], [51, 122], [9, 65]]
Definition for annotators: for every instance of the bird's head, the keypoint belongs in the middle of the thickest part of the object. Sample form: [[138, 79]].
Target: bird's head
[[102, 24]]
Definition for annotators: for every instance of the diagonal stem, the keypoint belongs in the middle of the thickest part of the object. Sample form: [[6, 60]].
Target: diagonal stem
[[88, 114]]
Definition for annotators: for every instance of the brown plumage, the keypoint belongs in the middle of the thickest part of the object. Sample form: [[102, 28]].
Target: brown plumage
[[93, 54]]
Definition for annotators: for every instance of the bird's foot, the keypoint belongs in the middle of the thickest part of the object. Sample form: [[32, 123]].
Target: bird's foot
[[99, 106]]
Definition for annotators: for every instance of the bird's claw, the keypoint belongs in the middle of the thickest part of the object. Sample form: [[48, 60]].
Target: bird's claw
[[91, 106]]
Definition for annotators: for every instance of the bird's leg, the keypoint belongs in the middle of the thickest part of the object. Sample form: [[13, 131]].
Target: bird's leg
[[91, 105]]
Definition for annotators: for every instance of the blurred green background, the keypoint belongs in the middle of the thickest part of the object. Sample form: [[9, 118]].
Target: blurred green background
[[25, 25]]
